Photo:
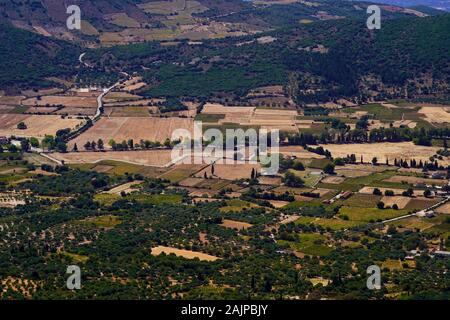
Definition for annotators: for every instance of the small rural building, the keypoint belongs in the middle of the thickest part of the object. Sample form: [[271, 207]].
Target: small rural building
[[438, 175], [346, 195], [442, 253]]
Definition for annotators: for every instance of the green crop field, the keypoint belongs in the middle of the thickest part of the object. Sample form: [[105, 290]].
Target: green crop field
[[370, 214], [308, 243]]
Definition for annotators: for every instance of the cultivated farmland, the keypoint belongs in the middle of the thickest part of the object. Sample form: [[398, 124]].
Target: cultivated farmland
[[156, 158], [120, 129], [230, 171], [67, 101], [436, 114], [282, 119], [183, 253], [383, 151], [36, 126]]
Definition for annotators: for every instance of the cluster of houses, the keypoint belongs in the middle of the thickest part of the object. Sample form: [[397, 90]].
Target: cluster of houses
[[4, 140], [344, 195]]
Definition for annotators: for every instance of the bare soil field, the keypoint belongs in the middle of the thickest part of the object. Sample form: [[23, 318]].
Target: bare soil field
[[6, 109], [231, 171], [136, 128], [369, 190], [133, 84], [304, 124], [67, 101], [8, 121], [11, 100], [400, 201], [416, 180], [444, 208], [194, 192], [183, 253], [41, 110], [102, 168], [120, 96], [282, 119], [126, 187], [405, 123], [232, 224], [82, 93], [43, 173], [268, 90], [12, 170], [130, 111], [153, 158], [369, 168], [77, 111], [190, 182], [322, 191], [410, 170], [377, 124], [37, 125], [435, 113], [182, 171], [421, 203], [401, 150], [299, 152], [136, 102], [333, 180], [274, 181], [215, 108], [278, 203]]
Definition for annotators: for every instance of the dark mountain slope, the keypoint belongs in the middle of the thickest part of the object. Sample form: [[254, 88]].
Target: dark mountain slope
[[140, 17], [407, 57], [28, 59]]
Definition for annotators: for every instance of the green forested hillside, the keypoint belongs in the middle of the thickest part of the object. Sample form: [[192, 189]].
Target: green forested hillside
[[406, 54], [28, 59]]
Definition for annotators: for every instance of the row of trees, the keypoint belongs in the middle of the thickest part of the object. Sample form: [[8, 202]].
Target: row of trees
[[129, 144], [92, 146], [420, 136]]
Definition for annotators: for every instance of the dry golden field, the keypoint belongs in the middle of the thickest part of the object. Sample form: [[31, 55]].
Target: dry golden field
[[265, 118], [444, 208], [416, 180], [136, 128], [230, 171], [155, 158], [188, 254], [397, 192], [298, 152], [400, 150], [232, 224], [400, 201], [435, 113], [80, 101], [37, 125]]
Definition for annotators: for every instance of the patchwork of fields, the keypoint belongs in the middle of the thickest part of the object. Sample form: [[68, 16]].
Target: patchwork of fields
[[156, 158], [123, 129], [385, 151], [36, 126]]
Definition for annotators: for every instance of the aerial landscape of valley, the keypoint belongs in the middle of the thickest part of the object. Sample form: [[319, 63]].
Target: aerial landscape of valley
[[224, 150]]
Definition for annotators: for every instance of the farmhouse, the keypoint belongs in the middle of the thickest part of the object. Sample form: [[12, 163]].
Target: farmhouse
[[346, 195], [442, 253]]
